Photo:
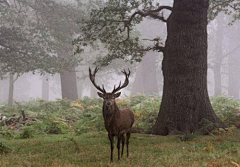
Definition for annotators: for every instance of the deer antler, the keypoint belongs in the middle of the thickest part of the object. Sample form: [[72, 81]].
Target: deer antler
[[92, 78], [125, 82]]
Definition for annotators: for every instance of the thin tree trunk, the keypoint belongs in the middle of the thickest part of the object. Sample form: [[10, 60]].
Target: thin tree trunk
[[4, 84], [80, 89], [234, 76], [146, 80], [45, 87], [234, 63], [217, 79], [68, 81], [218, 57], [93, 92], [185, 101], [138, 81], [11, 90]]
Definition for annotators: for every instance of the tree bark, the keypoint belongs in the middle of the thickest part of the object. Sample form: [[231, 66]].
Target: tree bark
[[146, 80], [68, 81], [185, 101]]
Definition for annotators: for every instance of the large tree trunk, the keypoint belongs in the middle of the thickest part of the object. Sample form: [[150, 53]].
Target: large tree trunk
[[146, 81], [185, 101], [68, 81]]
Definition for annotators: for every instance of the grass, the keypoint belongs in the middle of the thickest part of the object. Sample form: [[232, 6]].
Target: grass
[[93, 149]]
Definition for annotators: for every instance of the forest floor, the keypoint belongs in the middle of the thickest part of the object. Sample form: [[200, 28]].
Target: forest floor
[[93, 149]]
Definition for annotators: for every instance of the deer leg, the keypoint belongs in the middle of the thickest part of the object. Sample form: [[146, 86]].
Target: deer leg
[[111, 142], [128, 136], [123, 142], [118, 146]]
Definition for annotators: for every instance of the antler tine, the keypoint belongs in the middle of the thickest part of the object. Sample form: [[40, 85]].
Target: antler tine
[[103, 89], [92, 78], [127, 74], [125, 82]]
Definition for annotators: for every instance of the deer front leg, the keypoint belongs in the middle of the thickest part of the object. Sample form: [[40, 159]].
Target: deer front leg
[[123, 142], [118, 146], [128, 136], [110, 136]]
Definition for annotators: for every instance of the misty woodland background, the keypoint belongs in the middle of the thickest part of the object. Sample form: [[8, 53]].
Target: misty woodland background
[[50, 114], [223, 57]]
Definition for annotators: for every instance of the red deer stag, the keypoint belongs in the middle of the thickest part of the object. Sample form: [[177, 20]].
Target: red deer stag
[[118, 121]]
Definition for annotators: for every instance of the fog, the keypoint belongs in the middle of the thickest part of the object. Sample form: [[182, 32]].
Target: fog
[[223, 67]]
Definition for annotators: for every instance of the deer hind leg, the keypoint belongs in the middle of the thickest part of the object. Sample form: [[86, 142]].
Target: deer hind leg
[[123, 142], [111, 142], [118, 145], [128, 136]]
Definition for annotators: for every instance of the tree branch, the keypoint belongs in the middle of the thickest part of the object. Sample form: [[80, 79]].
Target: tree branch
[[161, 8], [156, 46], [155, 14], [6, 2]]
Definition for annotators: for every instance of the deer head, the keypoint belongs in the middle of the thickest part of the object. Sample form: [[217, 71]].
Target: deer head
[[109, 97]]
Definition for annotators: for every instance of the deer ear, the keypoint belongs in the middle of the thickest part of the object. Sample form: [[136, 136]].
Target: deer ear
[[117, 95], [100, 94]]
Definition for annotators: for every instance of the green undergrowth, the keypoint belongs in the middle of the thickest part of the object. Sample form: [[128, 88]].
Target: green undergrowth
[[71, 133], [93, 149], [85, 115]]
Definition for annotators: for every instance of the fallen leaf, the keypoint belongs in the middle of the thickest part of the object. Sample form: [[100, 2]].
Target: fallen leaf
[[234, 163]]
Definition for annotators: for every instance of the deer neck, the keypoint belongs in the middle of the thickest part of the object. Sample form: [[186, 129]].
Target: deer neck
[[110, 113]]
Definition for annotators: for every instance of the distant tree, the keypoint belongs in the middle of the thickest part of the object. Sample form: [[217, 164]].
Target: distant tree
[[31, 34], [144, 82], [22, 47], [231, 8], [234, 73], [185, 101], [234, 61], [218, 57], [146, 78], [61, 20], [45, 87]]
